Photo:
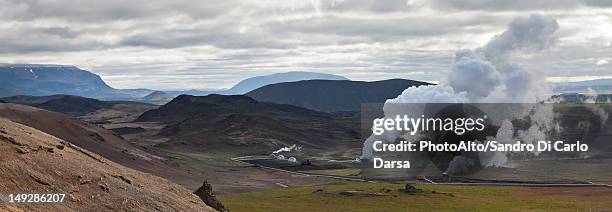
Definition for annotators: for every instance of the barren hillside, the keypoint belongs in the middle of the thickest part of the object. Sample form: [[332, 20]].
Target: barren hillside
[[35, 162]]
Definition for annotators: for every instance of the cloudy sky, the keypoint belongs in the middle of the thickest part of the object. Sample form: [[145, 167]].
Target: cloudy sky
[[213, 44]]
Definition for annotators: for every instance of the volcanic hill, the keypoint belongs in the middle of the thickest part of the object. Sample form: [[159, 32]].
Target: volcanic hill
[[240, 124]]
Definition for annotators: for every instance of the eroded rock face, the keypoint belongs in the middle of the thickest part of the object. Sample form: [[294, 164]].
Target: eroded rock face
[[205, 193]]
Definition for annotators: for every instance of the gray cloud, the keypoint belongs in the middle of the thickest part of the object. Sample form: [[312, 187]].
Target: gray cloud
[[109, 10], [62, 32], [374, 6], [217, 37], [218, 43], [519, 5], [381, 30]]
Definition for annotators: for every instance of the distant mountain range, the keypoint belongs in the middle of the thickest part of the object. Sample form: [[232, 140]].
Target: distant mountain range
[[332, 96], [253, 83], [40, 80], [316, 91], [158, 96], [44, 80], [581, 98], [601, 86], [241, 124]]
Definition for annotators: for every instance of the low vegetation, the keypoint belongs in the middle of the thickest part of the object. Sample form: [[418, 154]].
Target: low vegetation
[[391, 197], [179, 158], [338, 172]]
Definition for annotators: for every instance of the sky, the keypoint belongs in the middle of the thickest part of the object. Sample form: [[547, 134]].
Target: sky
[[200, 44]]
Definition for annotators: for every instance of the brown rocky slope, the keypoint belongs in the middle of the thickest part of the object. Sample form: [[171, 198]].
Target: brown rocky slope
[[35, 162]]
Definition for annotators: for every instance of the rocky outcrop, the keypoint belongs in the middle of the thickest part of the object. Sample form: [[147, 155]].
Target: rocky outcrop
[[206, 194]]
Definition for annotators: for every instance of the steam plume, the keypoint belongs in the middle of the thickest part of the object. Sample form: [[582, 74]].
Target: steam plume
[[487, 74], [285, 149]]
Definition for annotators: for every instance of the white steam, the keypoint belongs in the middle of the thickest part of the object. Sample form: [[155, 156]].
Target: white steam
[[430, 94], [505, 135], [487, 74], [285, 149], [531, 34], [276, 154], [591, 98]]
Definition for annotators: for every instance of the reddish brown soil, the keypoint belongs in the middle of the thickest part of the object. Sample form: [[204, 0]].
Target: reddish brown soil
[[35, 162]]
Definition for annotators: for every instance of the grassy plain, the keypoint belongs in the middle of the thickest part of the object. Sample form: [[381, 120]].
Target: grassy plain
[[389, 197]]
